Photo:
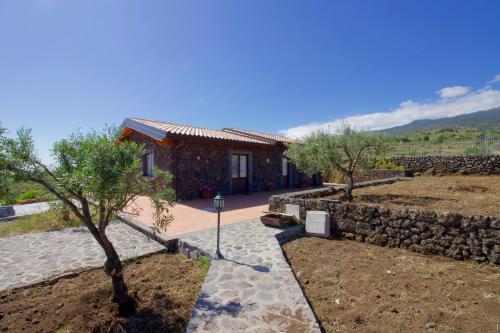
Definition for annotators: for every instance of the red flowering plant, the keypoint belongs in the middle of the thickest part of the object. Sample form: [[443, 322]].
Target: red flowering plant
[[206, 190], [270, 186]]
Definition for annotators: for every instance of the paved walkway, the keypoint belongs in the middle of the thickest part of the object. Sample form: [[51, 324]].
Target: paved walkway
[[35, 257], [199, 214], [253, 288]]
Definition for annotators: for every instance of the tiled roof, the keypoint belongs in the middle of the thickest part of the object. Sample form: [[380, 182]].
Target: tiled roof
[[161, 130], [265, 136]]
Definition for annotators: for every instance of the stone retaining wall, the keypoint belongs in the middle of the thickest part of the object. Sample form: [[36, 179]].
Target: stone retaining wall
[[489, 164], [375, 174], [452, 235]]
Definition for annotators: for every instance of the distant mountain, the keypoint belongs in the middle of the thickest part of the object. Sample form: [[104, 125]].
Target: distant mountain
[[489, 119]]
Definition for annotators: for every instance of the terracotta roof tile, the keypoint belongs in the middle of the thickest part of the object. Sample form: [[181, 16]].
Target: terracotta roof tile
[[265, 136], [175, 129]]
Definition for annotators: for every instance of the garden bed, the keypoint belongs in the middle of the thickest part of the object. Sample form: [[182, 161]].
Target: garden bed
[[166, 286], [471, 195], [360, 287]]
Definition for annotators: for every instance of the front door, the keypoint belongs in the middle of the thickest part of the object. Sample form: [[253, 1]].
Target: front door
[[239, 173], [284, 172]]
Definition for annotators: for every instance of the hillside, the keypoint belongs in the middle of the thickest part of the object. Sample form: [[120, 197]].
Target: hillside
[[489, 119]]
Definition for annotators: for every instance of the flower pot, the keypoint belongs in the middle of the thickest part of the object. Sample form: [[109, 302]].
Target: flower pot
[[206, 195], [275, 220], [7, 211]]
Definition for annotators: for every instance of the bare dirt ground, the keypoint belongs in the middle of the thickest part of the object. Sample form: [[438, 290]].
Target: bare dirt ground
[[358, 287], [473, 195], [165, 285]]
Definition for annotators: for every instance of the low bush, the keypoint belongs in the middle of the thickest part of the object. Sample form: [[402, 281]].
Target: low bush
[[385, 163], [29, 195]]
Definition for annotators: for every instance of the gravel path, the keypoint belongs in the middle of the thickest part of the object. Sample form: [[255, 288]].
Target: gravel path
[[253, 288], [35, 257]]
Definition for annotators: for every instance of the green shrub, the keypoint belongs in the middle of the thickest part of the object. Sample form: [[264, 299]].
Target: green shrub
[[28, 195], [473, 151], [385, 163]]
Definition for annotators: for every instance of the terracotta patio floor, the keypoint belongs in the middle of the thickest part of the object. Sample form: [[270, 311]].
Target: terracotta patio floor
[[199, 214]]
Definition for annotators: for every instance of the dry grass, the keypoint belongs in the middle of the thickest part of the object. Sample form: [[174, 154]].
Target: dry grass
[[49, 221], [358, 287], [473, 195]]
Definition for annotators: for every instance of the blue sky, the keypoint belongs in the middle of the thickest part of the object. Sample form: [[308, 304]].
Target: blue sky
[[287, 66]]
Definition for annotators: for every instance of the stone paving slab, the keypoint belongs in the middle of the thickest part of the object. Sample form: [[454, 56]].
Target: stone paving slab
[[253, 288], [35, 257]]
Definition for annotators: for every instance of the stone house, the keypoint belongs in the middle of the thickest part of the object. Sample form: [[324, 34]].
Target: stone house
[[231, 161]]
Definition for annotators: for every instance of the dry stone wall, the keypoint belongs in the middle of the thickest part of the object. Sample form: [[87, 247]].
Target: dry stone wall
[[452, 235], [485, 165]]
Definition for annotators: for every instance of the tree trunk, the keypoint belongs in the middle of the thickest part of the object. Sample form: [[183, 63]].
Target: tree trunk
[[114, 269], [349, 187]]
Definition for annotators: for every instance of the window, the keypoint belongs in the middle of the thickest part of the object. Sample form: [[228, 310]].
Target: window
[[284, 166], [147, 164], [235, 166], [243, 166], [239, 166]]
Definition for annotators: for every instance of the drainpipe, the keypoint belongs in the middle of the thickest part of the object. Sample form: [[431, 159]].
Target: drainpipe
[[175, 168]]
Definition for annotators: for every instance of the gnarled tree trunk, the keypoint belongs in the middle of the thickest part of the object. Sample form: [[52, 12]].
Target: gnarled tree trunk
[[349, 186], [114, 269]]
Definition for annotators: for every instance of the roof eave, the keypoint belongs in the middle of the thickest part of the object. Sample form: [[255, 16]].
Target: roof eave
[[150, 131]]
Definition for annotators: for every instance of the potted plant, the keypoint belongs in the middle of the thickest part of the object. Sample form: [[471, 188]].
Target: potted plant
[[270, 186], [206, 190]]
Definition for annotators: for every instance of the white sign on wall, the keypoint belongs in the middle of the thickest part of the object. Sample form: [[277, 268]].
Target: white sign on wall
[[293, 210], [318, 223]]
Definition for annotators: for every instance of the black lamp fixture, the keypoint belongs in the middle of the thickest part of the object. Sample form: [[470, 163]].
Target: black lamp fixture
[[218, 204]]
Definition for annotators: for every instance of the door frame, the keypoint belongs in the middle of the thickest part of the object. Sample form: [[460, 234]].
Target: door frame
[[289, 172], [249, 168]]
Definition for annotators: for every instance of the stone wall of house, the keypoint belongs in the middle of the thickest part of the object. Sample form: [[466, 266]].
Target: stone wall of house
[[199, 163], [452, 235], [266, 164], [488, 164], [163, 154]]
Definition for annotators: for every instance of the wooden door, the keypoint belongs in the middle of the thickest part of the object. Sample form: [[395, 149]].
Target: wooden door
[[284, 172], [239, 173]]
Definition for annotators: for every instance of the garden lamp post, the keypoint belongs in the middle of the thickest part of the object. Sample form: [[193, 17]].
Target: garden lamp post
[[218, 204]]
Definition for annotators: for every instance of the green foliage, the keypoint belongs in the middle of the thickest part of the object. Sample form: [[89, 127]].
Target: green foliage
[[473, 151], [446, 141], [346, 151], [37, 223], [384, 163], [93, 167], [28, 195]]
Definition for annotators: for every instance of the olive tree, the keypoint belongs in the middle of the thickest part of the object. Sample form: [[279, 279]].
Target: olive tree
[[95, 175], [344, 152]]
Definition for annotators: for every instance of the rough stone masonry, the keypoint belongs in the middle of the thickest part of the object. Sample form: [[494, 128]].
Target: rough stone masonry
[[446, 234], [468, 164]]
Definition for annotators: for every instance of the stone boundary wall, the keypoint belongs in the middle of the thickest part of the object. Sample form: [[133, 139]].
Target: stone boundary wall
[[375, 174], [468, 164], [452, 235]]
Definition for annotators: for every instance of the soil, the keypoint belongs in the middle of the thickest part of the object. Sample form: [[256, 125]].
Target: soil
[[360, 287], [165, 285], [470, 195]]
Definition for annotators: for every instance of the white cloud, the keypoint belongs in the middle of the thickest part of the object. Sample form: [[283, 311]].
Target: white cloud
[[408, 111], [455, 91], [495, 79]]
